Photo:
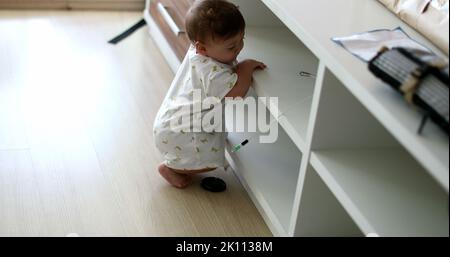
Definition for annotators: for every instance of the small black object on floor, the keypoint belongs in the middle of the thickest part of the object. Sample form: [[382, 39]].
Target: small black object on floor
[[214, 184], [128, 32]]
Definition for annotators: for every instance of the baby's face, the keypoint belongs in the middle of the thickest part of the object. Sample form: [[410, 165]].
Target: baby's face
[[225, 51]]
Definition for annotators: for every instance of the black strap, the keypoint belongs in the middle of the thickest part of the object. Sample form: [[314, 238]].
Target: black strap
[[128, 32], [423, 123]]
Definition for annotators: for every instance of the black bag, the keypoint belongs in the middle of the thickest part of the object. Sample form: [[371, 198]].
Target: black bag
[[422, 77]]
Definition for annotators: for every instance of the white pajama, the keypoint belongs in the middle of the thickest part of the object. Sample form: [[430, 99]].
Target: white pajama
[[184, 149]]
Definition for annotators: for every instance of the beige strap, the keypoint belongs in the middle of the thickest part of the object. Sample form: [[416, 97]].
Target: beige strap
[[409, 88]]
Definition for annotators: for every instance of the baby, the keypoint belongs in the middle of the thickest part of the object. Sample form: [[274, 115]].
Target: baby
[[216, 29]]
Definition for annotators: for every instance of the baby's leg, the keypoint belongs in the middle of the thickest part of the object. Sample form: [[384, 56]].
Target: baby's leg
[[179, 178], [174, 178], [193, 172]]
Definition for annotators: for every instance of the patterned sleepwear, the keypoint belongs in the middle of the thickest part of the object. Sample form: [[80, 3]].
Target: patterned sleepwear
[[181, 147]]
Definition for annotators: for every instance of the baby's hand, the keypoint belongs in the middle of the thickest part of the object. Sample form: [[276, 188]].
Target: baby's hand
[[245, 71], [258, 65], [252, 65]]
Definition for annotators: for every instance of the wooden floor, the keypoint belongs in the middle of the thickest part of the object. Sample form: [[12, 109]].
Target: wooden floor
[[76, 146]]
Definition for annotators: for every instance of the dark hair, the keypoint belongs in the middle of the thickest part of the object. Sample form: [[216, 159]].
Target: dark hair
[[211, 19]]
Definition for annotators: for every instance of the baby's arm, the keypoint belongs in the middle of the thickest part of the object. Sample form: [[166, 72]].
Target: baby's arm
[[245, 71]]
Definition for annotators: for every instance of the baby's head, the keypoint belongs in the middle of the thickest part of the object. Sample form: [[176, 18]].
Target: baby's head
[[216, 28]]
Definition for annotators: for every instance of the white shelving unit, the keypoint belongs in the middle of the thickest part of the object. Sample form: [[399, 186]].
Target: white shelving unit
[[348, 160], [285, 61], [306, 20], [390, 197], [271, 177]]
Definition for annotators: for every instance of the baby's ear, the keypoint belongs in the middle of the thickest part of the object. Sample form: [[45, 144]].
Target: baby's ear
[[201, 48]]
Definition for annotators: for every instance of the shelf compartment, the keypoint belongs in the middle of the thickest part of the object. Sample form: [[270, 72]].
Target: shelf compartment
[[269, 172], [385, 191], [285, 60], [342, 122], [320, 213], [380, 184]]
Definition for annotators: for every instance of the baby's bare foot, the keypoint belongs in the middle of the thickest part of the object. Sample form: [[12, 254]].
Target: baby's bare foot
[[177, 180]]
